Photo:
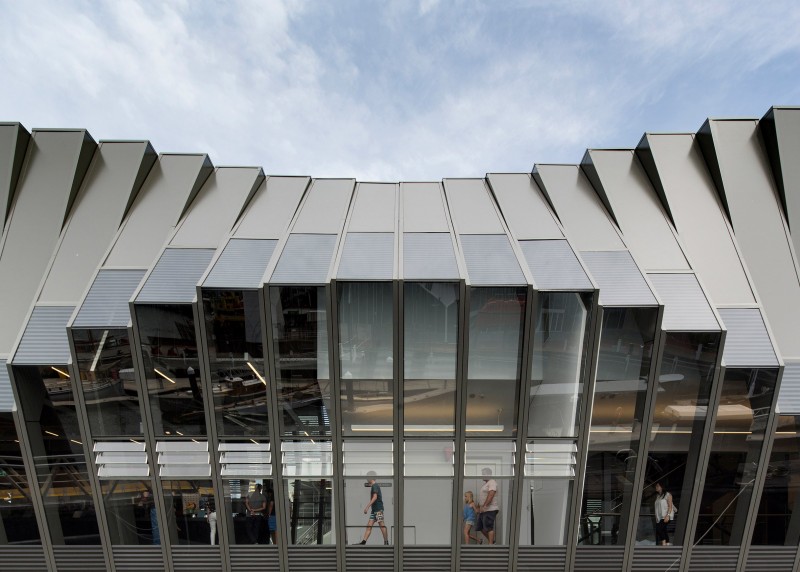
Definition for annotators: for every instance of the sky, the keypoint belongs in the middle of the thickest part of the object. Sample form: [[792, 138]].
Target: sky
[[393, 91]]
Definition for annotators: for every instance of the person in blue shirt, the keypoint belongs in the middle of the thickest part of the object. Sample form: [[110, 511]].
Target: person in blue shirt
[[375, 508], [469, 517]]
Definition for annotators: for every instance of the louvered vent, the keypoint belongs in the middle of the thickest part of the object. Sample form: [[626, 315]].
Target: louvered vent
[[79, 558], [312, 558], [427, 558], [6, 393], [23, 558], [599, 558], [195, 558], [550, 458], [45, 338], [245, 459], [491, 260], [554, 265], [174, 277], [620, 281], [369, 558], [713, 558], [789, 397], [121, 460], [183, 459], [106, 304], [261, 558], [771, 559], [307, 459], [137, 558], [367, 256], [542, 558], [306, 259], [747, 343], [656, 558], [484, 559], [242, 264]]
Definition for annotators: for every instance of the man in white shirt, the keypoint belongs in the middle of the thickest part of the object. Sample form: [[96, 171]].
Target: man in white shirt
[[489, 506]]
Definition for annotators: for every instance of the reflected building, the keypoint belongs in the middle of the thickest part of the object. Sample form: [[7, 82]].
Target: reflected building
[[207, 367]]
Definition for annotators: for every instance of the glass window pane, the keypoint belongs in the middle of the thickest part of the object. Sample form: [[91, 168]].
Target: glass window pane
[[310, 511], [188, 505], [376, 525], [490, 494], [17, 519], [427, 511], [367, 407], [558, 365], [258, 524], [130, 513], [430, 312], [172, 369], [429, 407], [545, 511], [626, 347], [679, 418], [236, 357], [109, 385], [428, 459], [300, 331], [735, 452], [366, 330], [496, 318]]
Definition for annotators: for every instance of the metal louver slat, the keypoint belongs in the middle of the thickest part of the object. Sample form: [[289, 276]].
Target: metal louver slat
[[429, 255], [541, 558], [490, 260], [747, 343], [196, 557], [770, 559], [121, 460], [599, 558], [713, 558], [23, 558], [175, 276], [106, 304], [619, 279], [554, 265], [789, 396], [305, 259], [427, 558], [137, 558], [369, 558], [45, 338], [261, 558], [312, 558], [686, 307], [79, 558], [367, 256], [656, 558], [241, 264], [492, 558], [6, 393], [183, 459]]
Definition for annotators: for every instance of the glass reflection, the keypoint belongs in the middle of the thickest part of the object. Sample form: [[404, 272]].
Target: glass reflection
[[236, 357], [109, 384], [54, 436], [488, 476], [557, 369], [428, 492], [626, 347], [17, 519], [495, 339], [130, 513], [257, 524], [191, 511], [742, 415], [679, 419], [300, 331], [172, 368], [310, 511], [365, 330]]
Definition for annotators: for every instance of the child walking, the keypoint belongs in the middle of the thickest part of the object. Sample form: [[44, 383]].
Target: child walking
[[469, 517]]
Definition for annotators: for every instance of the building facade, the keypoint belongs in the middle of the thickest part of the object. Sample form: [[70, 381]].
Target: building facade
[[173, 334]]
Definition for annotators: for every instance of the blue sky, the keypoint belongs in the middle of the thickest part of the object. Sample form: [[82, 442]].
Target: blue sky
[[407, 90]]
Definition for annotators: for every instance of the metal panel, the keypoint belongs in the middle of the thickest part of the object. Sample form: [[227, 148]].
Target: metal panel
[[175, 276], [526, 211], [747, 343], [787, 133], [367, 255], [305, 259], [45, 338], [196, 557], [325, 209], [490, 558], [619, 279], [374, 208], [789, 396], [94, 220], [542, 559], [598, 558], [241, 264], [770, 559], [554, 265], [272, 208], [491, 260], [14, 140], [79, 558], [312, 558], [138, 558], [369, 558], [713, 558], [106, 304], [471, 207], [217, 206], [156, 210], [656, 558], [423, 208], [427, 558], [686, 307], [6, 394], [578, 207], [261, 558], [638, 210], [699, 218], [429, 255], [23, 558]]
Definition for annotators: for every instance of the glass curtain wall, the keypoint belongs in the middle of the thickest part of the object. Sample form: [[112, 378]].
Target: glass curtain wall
[[684, 385], [496, 320], [130, 513], [109, 384], [778, 520], [625, 353], [430, 340], [251, 525], [53, 432], [17, 518], [488, 479], [368, 472], [308, 486], [300, 338], [172, 368], [188, 504], [236, 358], [428, 473], [742, 415]]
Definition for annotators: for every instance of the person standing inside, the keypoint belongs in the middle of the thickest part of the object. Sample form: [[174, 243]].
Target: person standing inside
[[256, 506], [272, 521], [470, 513], [664, 511], [489, 506], [211, 516], [375, 508]]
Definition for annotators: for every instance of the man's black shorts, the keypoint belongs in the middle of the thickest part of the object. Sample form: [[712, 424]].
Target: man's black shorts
[[485, 521]]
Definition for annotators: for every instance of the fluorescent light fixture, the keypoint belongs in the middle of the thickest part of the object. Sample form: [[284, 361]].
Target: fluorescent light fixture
[[62, 372], [255, 371], [427, 428], [74, 441], [254, 442], [309, 436], [99, 350], [53, 434], [163, 375], [179, 433]]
